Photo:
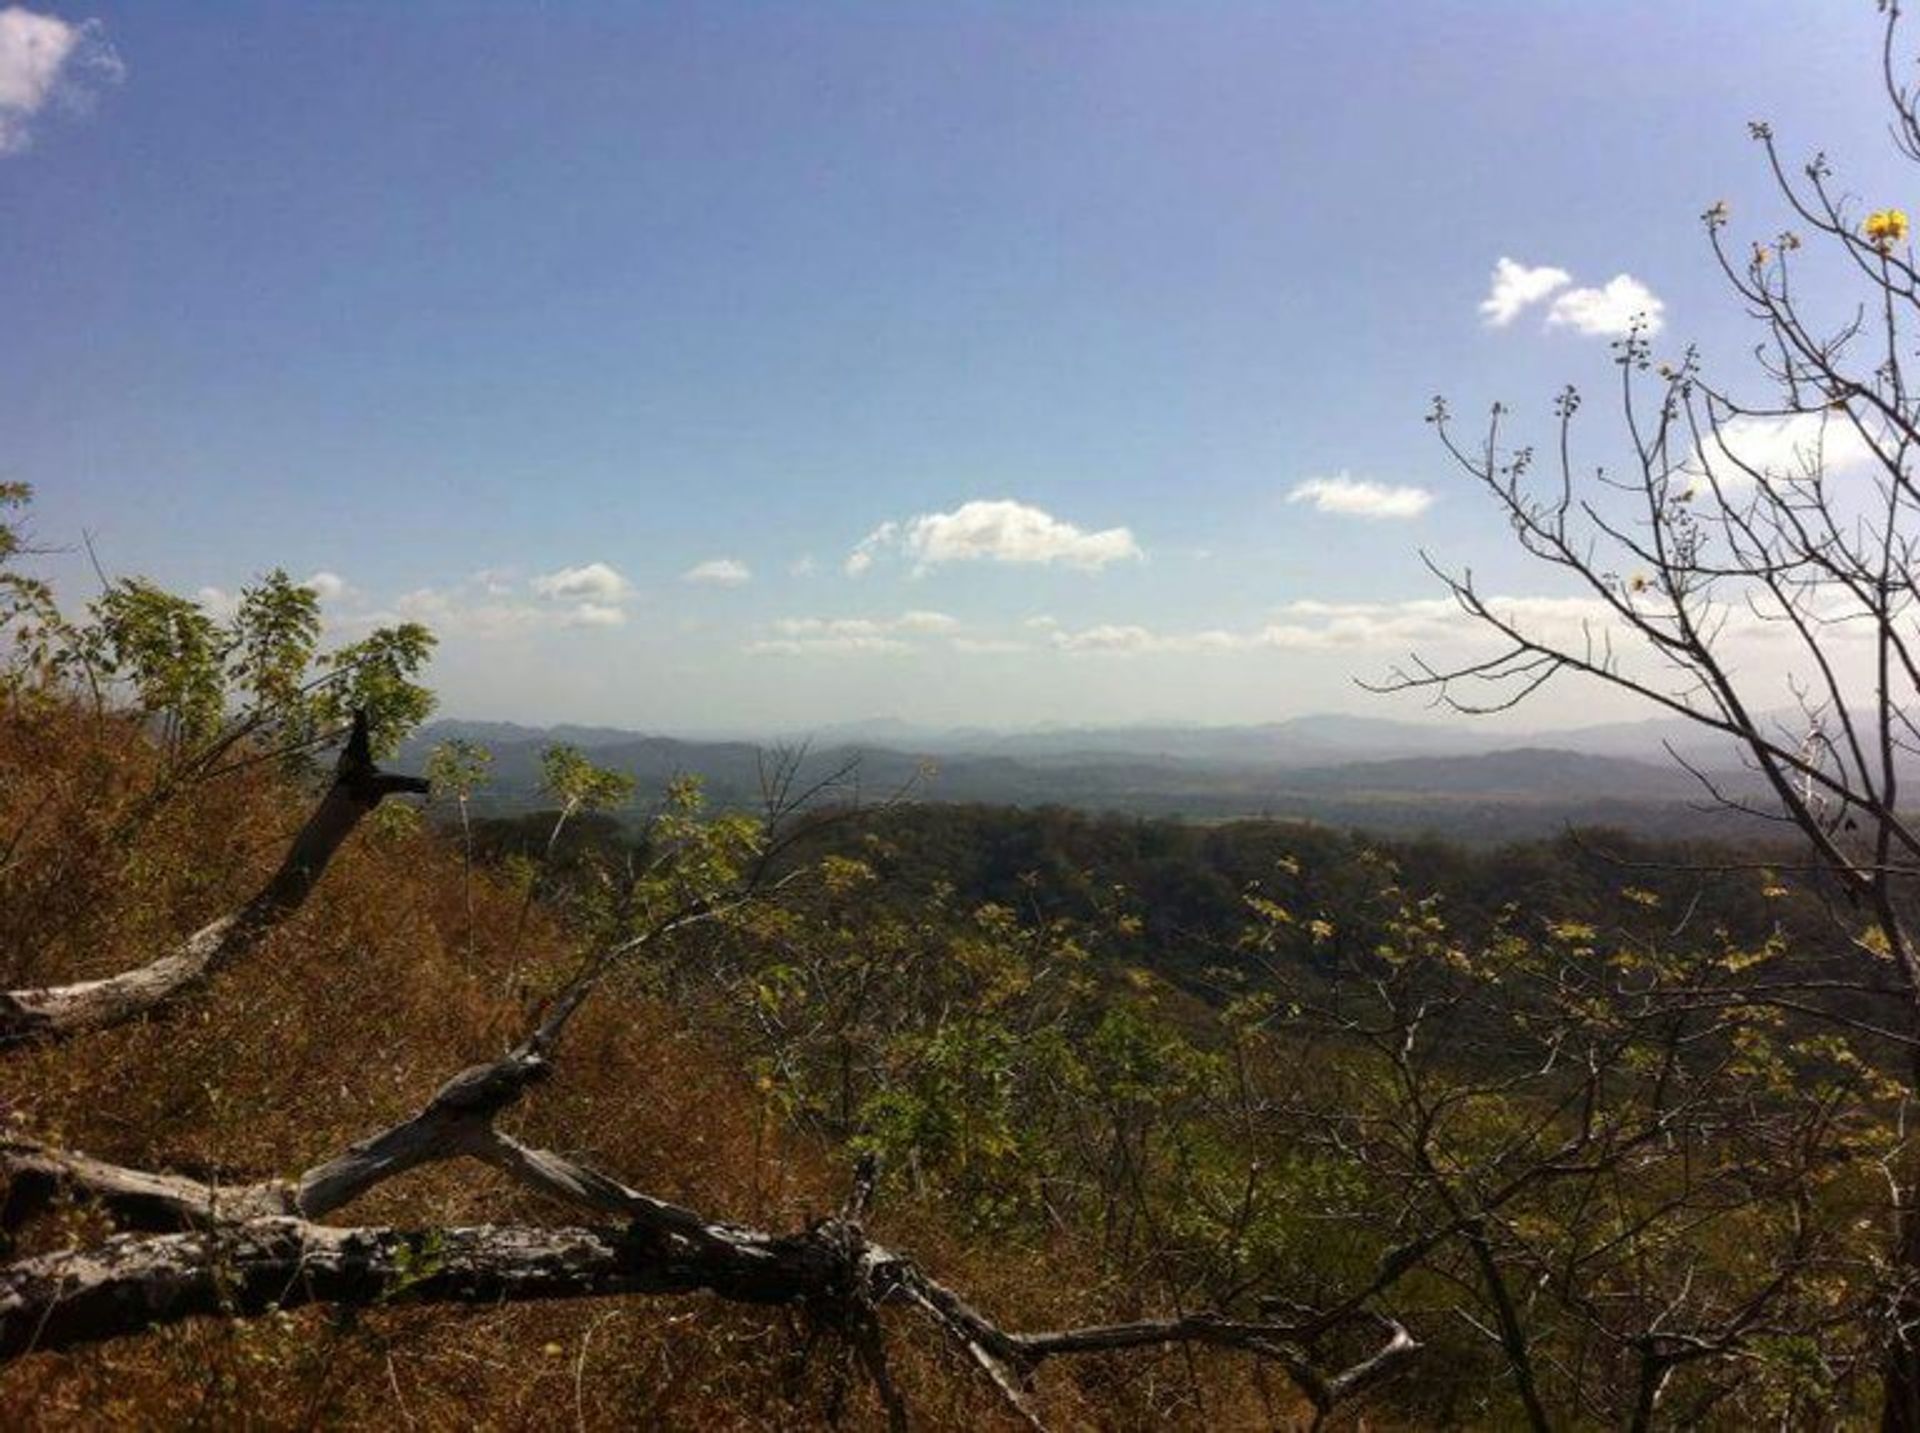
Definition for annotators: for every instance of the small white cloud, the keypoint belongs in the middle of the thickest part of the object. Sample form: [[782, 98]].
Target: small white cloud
[[494, 581], [328, 586], [43, 59], [719, 572], [454, 613], [994, 530], [861, 558], [1784, 448], [795, 636], [1515, 286], [803, 566], [593, 582], [1356, 497], [594, 614], [1610, 311], [989, 646], [1109, 637], [925, 622], [218, 601], [1309, 625], [844, 644]]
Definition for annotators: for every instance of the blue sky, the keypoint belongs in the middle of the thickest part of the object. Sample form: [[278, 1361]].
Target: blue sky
[[511, 318]]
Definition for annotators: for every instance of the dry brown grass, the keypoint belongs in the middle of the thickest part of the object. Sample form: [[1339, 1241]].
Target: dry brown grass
[[347, 1021]]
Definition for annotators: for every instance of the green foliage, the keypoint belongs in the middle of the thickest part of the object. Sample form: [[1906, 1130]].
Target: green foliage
[[205, 682], [577, 784], [375, 675], [459, 767], [270, 647], [29, 621], [166, 648]]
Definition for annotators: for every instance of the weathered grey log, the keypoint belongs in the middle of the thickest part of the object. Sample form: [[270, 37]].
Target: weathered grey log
[[244, 1256], [36, 1173], [55, 1012], [132, 1283]]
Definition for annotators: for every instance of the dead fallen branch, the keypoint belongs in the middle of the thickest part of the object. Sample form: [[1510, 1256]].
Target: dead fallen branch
[[55, 1012], [248, 1249]]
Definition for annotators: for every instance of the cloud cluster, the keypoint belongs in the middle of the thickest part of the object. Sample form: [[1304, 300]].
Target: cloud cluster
[[831, 636], [1605, 312], [993, 530], [1310, 625], [1305, 625], [1349, 496], [495, 603], [44, 59], [719, 572]]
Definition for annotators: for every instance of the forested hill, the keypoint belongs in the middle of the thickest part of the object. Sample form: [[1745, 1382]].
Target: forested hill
[[1184, 887], [1201, 775]]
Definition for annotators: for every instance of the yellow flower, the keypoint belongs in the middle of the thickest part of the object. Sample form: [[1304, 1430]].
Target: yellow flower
[[1886, 227]]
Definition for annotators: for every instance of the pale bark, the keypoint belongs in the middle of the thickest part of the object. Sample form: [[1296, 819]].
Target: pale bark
[[56, 1012]]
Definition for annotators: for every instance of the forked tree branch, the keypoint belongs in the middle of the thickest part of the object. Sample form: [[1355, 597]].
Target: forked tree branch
[[56, 1012], [243, 1256], [255, 1247]]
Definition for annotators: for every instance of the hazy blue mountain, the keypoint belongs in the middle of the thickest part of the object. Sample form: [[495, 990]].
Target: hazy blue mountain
[[1336, 770]]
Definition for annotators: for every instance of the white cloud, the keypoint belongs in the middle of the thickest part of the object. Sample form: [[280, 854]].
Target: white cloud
[[803, 566], [1355, 497], [219, 602], [594, 614], [861, 558], [1780, 448], [926, 622], [994, 530], [1310, 625], [1515, 286], [43, 59], [453, 613], [796, 636], [328, 586], [830, 644], [719, 572], [593, 582], [1109, 637], [989, 646], [1610, 311]]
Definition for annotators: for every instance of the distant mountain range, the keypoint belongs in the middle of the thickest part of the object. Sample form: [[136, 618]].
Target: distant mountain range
[[1363, 772], [1300, 741]]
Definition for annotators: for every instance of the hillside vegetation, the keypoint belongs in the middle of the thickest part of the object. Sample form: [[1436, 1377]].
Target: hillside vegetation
[[382, 986], [878, 1114]]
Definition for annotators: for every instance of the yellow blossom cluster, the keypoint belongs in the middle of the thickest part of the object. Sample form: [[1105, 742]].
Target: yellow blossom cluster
[[1886, 227]]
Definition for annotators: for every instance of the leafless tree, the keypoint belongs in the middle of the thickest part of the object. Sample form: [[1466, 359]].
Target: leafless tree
[[1795, 517]]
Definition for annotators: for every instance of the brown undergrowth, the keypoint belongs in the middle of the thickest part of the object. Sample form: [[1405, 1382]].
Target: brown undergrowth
[[345, 1022]]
